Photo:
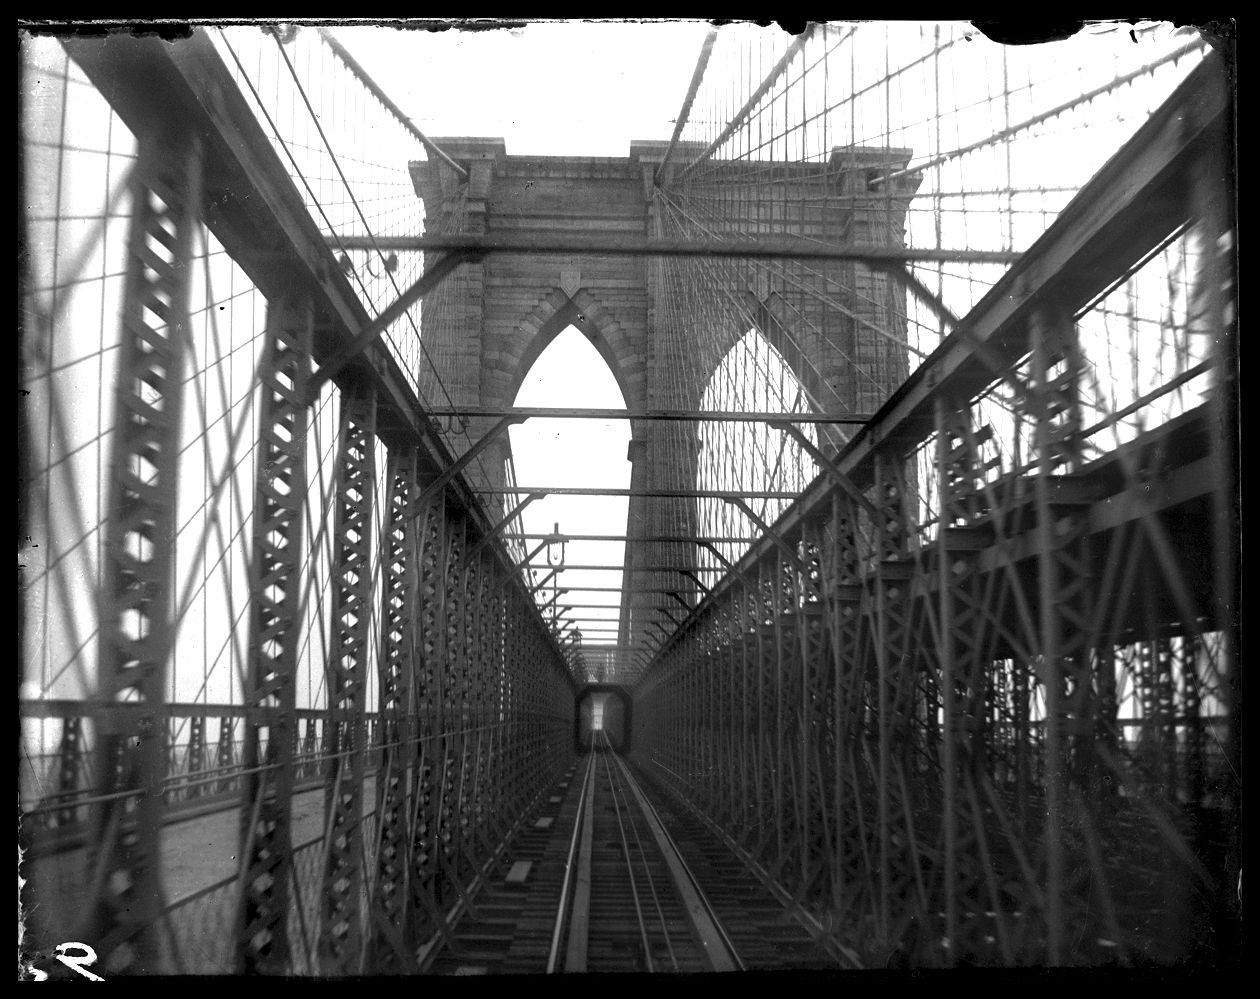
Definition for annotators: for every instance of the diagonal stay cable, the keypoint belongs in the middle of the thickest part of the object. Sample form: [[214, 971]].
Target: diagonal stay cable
[[319, 205]]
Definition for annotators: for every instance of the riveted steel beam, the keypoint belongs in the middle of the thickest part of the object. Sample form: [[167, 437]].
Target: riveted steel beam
[[124, 891], [262, 941], [631, 245]]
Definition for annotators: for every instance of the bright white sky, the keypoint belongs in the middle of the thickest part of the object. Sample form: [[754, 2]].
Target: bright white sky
[[553, 88], [584, 453]]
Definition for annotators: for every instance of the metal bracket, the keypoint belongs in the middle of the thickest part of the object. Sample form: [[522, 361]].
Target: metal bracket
[[674, 594], [695, 579], [543, 583], [554, 598]]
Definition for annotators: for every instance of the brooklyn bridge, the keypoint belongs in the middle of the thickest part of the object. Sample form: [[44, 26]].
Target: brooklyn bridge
[[886, 616]]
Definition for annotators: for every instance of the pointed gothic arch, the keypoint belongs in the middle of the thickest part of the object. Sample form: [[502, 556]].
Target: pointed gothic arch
[[505, 372]]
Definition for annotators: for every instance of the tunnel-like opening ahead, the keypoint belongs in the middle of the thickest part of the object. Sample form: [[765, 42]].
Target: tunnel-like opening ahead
[[604, 709]]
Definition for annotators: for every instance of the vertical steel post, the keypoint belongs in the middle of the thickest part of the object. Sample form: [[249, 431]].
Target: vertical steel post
[[430, 652], [945, 659], [393, 933], [262, 942], [1064, 593], [1214, 201], [346, 673], [123, 895]]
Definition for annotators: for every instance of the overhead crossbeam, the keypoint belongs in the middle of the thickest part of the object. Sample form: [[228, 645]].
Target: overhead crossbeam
[[699, 539], [617, 589], [651, 493], [634, 245], [649, 415], [632, 568], [828, 466]]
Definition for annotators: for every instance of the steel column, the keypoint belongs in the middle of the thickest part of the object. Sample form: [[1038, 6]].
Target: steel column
[[124, 893], [262, 942]]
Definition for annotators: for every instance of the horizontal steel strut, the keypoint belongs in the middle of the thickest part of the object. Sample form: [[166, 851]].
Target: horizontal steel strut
[[665, 415], [675, 538], [610, 491], [634, 245]]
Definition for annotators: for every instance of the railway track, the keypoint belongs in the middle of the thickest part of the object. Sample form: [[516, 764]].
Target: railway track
[[630, 902], [595, 883]]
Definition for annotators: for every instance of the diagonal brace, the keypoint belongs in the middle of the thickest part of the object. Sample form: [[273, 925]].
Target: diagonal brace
[[427, 281], [464, 461], [695, 578], [674, 594], [494, 531], [556, 596], [842, 480], [773, 535]]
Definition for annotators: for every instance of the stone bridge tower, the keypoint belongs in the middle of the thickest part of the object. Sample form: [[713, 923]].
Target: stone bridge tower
[[485, 326]]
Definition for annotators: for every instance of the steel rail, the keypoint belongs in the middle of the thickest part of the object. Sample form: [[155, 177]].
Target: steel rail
[[716, 945], [638, 842], [634, 889], [553, 955]]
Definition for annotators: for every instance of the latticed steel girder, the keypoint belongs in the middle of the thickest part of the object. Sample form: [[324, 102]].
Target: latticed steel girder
[[261, 930], [411, 591], [124, 895], [901, 710]]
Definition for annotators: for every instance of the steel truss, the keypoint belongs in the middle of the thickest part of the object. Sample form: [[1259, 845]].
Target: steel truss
[[900, 708], [125, 888], [423, 790]]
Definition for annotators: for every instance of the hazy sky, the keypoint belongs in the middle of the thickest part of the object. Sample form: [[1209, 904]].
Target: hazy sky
[[555, 88]]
